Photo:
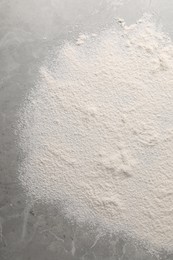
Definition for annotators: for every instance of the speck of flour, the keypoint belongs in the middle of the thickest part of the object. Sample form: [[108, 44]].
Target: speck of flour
[[97, 132]]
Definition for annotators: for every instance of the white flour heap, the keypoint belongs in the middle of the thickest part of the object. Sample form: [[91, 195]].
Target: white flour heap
[[97, 133]]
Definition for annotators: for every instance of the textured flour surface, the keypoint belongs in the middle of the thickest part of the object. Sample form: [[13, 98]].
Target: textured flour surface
[[97, 132]]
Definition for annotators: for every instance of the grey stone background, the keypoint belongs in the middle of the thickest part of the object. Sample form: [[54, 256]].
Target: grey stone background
[[29, 31]]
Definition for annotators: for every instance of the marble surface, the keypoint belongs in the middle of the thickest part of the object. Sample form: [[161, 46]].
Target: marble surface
[[29, 31]]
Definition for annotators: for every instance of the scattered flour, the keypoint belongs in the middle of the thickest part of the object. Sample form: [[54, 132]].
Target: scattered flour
[[97, 132], [81, 39]]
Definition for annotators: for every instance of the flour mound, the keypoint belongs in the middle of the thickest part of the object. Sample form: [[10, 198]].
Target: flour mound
[[97, 132]]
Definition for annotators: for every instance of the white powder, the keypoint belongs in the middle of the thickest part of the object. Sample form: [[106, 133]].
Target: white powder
[[97, 133], [81, 39]]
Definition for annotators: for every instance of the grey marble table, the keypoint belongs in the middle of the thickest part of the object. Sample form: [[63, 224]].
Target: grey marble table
[[29, 31]]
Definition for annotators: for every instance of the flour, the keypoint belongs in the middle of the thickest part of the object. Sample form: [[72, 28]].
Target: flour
[[81, 39], [97, 133]]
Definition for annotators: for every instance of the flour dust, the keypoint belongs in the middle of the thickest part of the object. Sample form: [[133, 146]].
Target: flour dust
[[97, 132]]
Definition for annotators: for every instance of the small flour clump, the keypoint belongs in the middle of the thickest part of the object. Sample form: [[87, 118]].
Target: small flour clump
[[97, 133]]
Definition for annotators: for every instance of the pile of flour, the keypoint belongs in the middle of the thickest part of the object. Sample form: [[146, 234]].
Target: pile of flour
[[97, 132]]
